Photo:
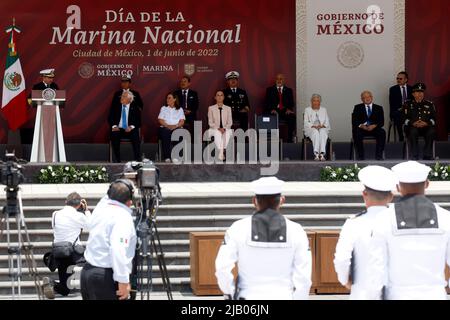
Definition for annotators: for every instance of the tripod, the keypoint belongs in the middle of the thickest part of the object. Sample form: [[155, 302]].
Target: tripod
[[14, 209], [149, 244]]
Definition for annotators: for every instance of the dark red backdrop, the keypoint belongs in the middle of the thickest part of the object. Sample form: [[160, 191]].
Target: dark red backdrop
[[428, 53], [267, 47]]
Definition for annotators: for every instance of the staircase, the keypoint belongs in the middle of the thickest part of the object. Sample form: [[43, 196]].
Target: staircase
[[325, 207]]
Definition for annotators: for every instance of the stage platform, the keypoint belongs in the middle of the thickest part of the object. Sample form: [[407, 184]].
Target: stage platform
[[288, 170]]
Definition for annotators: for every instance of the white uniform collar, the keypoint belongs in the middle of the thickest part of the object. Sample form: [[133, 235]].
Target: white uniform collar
[[376, 209]]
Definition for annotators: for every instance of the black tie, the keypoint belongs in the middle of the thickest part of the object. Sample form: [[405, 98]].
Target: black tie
[[234, 90], [221, 124], [185, 99]]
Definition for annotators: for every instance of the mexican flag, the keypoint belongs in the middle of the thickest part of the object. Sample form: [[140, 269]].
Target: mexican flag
[[14, 104]]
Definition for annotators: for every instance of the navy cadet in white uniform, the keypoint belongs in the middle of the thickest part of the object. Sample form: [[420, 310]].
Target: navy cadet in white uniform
[[111, 246], [272, 253], [411, 242], [352, 251]]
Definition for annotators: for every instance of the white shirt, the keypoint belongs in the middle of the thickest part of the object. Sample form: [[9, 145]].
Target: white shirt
[[112, 239], [127, 111], [411, 266], [265, 273], [171, 116], [67, 224], [367, 112], [355, 238]]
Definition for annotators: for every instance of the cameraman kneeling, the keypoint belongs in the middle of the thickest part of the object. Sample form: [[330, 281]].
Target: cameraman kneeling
[[68, 224], [111, 246]]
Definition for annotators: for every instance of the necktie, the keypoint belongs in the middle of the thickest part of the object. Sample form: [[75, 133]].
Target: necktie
[[404, 96], [124, 117], [185, 106], [234, 90], [221, 123], [369, 113], [280, 97]]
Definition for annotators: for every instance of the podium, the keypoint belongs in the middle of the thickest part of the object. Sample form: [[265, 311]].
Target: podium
[[48, 140]]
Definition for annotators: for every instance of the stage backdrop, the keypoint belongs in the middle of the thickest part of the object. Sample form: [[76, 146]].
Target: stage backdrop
[[92, 44], [345, 47]]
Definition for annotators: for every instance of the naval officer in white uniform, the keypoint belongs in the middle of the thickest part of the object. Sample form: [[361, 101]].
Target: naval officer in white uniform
[[272, 253], [352, 251], [411, 242]]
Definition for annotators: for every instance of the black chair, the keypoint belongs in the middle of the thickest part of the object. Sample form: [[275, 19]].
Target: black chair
[[307, 141], [124, 141], [365, 139], [392, 127], [406, 150], [269, 122]]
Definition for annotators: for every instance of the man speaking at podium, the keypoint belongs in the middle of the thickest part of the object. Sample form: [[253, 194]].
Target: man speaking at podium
[[47, 80]]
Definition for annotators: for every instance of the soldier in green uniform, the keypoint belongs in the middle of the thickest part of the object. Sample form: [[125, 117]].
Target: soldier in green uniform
[[420, 120]]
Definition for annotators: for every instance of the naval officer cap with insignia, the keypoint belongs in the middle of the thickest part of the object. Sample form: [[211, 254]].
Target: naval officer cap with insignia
[[232, 75], [413, 177], [49, 73], [267, 193]]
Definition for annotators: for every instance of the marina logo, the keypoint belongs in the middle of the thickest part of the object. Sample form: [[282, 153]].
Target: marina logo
[[157, 69], [189, 69]]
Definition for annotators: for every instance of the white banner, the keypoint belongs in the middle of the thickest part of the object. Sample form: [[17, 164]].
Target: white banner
[[344, 48]]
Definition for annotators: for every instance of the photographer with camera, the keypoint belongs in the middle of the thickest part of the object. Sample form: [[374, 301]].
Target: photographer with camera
[[68, 224], [111, 246]]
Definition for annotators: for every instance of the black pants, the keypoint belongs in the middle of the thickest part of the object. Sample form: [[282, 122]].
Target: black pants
[[290, 120], [97, 283], [165, 135], [116, 136], [242, 117], [397, 118], [63, 264], [413, 134], [380, 136]]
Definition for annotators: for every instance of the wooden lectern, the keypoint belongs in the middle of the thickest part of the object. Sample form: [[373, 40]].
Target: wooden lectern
[[48, 140]]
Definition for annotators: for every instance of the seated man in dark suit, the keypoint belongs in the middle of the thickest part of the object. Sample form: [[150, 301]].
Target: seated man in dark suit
[[188, 99], [419, 117], [237, 99], [280, 99], [125, 121], [398, 95], [368, 121], [126, 86]]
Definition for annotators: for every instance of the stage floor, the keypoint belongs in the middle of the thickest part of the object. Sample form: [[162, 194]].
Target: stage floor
[[287, 170]]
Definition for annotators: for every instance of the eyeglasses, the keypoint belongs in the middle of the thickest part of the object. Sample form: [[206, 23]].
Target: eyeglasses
[[400, 79]]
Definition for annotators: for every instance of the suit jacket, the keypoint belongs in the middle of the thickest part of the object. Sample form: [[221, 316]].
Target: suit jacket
[[42, 86], [359, 115], [273, 100], [395, 99], [192, 100], [214, 117], [136, 102], [236, 101], [115, 113]]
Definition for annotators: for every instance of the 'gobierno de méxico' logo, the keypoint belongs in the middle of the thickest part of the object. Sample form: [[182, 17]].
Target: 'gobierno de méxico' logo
[[13, 81]]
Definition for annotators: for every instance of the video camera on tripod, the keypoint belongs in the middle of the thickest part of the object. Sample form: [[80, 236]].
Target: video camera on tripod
[[11, 177], [145, 176]]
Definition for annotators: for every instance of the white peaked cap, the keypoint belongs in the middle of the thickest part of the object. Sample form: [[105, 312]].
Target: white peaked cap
[[232, 74], [47, 72], [378, 178], [411, 172], [267, 186]]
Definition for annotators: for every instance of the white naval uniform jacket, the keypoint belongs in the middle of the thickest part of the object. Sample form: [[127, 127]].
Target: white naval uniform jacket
[[411, 266], [267, 271], [354, 243]]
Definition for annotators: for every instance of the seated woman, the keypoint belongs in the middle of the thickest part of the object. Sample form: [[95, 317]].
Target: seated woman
[[171, 117], [220, 121], [317, 127]]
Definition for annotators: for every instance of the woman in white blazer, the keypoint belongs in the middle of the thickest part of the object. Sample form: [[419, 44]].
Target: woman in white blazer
[[221, 130], [317, 126]]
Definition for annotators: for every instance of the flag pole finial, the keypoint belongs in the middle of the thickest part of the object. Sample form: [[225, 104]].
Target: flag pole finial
[[14, 21]]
